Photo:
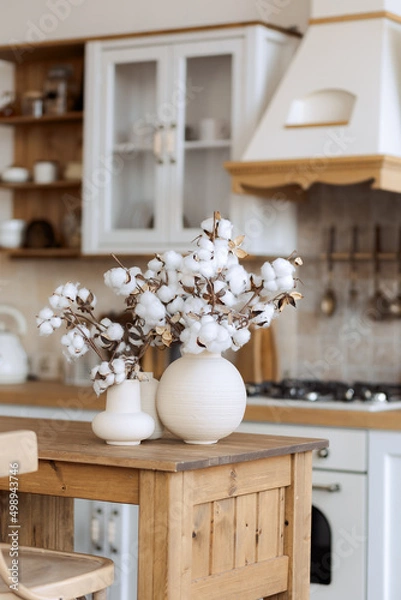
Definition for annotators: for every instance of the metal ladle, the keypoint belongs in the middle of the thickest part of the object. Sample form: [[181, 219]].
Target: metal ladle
[[353, 291], [395, 304], [328, 302], [378, 304]]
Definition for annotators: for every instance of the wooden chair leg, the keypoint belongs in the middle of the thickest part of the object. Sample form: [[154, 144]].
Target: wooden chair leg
[[101, 595]]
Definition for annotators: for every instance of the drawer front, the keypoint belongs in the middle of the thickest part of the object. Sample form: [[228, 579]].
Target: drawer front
[[347, 450]]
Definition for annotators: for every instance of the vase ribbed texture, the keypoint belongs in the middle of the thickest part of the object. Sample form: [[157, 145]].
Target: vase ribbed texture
[[123, 422], [148, 403], [201, 398]]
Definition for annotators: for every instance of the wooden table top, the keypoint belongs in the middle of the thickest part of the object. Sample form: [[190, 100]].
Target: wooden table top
[[74, 442]]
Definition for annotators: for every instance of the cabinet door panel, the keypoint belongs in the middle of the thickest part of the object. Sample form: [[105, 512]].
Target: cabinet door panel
[[207, 78], [126, 178]]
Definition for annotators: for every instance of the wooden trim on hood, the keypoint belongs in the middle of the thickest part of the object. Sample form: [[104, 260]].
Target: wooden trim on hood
[[382, 14], [260, 177]]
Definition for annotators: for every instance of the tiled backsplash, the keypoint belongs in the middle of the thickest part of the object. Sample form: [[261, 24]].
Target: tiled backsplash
[[347, 346]]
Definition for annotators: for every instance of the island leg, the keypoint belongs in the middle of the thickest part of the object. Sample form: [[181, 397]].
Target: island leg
[[297, 533]]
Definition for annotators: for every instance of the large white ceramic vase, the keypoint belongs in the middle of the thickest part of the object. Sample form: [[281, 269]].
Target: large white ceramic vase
[[123, 423], [201, 398]]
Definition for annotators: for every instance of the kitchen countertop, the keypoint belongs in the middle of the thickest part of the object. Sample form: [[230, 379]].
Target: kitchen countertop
[[325, 417], [57, 395]]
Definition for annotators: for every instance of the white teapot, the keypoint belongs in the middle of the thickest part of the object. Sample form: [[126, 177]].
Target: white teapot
[[13, 358]]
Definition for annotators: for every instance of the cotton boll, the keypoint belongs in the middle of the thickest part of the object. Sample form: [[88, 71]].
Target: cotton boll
[[77, 343], [177, 305], [204, 254], [46, 313], [172, 277], [205, 243], [208, 225], [45, 328], [257, 280], [264, 318], [219, 285], [190, 264], [187, 279], [228, 299], [225, 229], [84, 294], [208, 332], [238, 279], [122, 282], [267, 272], [282, 267], [240, 338], [195, 305], [150, 309], [232, 259], [270, 286], [165, 294], [104, 368], [70, 291], [155, 264], [207, 269], [55, 322], [118, 365], [116, 277], [285, 283], [115, 332], [119, 378], [172, 260]]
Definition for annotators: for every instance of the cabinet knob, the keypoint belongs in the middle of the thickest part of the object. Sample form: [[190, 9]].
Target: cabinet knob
[[323, 453]]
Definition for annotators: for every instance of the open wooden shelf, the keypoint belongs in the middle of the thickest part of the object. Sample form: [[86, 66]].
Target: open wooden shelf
[[31, 185], [28, 120], [43, 253]]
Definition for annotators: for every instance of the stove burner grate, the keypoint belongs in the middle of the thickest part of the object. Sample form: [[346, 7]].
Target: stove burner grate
[[326, 391]]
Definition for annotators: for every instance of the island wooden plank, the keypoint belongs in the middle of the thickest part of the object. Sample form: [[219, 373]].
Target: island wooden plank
[[71, 441]]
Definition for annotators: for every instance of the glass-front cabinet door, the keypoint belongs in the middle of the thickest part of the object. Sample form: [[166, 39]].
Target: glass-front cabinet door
[[207, 77], [126, 183]]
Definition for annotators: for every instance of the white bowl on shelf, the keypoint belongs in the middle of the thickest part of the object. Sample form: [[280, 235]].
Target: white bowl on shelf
[[15, 175], [12, 233]]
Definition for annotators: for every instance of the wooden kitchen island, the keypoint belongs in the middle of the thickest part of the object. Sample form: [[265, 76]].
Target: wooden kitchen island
[[220, 522]]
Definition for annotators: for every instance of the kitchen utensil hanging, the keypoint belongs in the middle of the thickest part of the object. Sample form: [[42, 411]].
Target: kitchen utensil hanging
[[328, 302], [378, 304], [353, 290], [395, 304]]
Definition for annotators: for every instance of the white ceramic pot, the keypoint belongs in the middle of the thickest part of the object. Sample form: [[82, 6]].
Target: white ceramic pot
[[148, 403], [13, 358], [123, 423], [201, 398]]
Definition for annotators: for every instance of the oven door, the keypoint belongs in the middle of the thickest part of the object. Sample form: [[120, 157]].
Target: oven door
[[339, 526]]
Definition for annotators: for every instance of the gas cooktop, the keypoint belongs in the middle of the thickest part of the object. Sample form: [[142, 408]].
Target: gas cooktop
[[326, 394]]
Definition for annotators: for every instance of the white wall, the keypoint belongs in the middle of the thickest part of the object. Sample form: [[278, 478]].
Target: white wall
[[27, 20]]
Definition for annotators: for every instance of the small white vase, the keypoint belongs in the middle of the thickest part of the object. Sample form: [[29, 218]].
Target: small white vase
[[148, 403], [123, 423], [201, 398]]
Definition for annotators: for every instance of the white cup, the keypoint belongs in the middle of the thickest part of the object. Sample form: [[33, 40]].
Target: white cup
[[213, 129], [45, 171]]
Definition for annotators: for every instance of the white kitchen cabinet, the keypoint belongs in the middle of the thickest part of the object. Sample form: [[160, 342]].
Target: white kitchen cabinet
[[163, 113], [384, 549]]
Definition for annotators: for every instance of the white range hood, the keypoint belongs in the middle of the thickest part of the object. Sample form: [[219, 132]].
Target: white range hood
[[336, 116]]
